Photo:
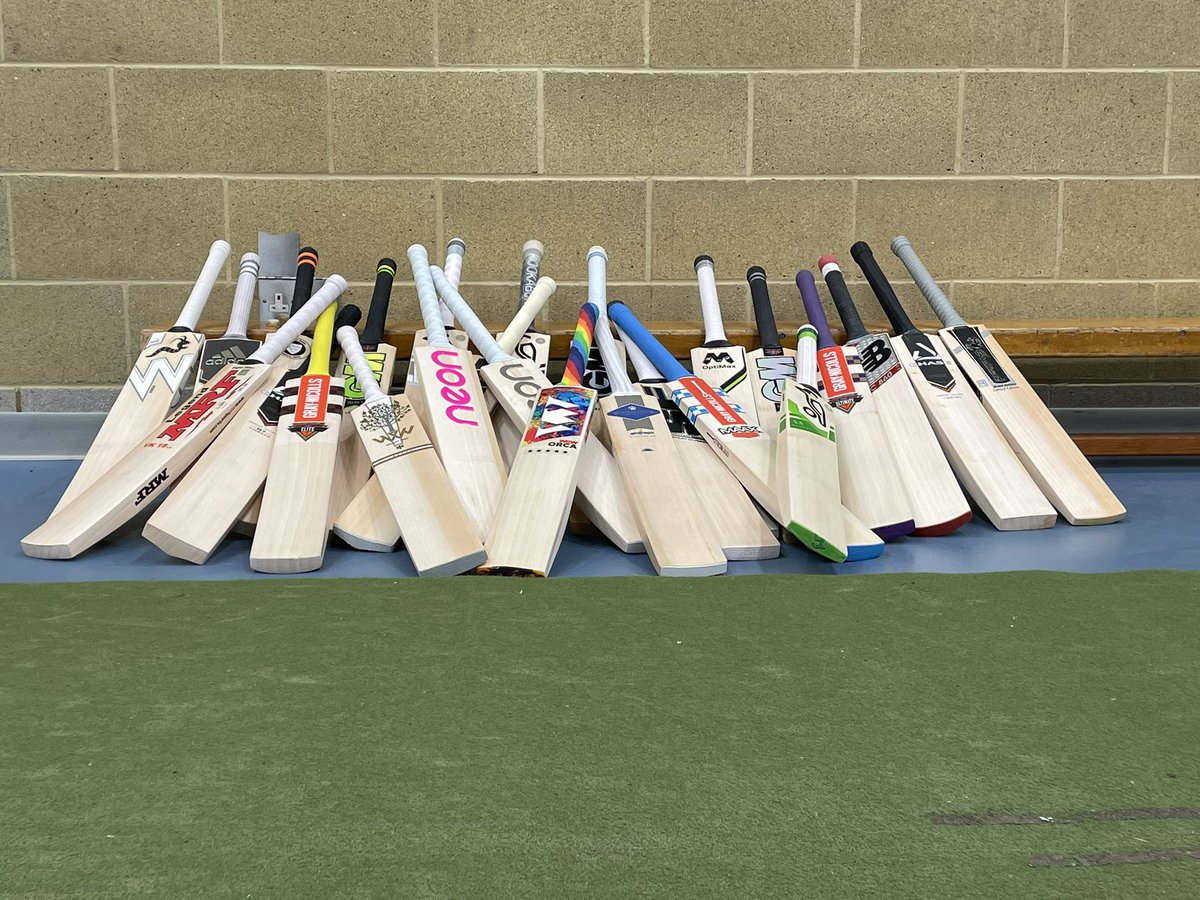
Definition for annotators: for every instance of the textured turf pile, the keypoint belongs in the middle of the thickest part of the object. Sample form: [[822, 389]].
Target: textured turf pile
[[766, 736]]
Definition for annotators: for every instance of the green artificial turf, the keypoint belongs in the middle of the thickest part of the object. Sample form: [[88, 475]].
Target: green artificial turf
[[765, 736]]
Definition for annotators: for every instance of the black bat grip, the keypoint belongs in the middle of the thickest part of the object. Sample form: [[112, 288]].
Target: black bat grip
[[847, 311], [306, 271], [887, 298], [377, 312], [346, 315], [764, 316]]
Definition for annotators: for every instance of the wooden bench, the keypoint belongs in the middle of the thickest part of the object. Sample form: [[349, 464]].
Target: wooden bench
[[1074, 339]]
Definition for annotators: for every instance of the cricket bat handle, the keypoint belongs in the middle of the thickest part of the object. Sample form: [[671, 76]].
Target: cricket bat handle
[[431, 312], [903, 248], [812, 307], [190, 315], [531, 266], [243, 296], [861, 251], [542, 291], [710, 306]]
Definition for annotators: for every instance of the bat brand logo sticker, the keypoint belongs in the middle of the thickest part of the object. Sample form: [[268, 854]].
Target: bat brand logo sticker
[[677, 422], [530, 348], [529, 276], [972, 341], [836, 379], [197, 410], [719, 358], [773, 371], [594, 375], [222, 358], [176, 346], [879, 360], [312, 402], [150, 487], [561, 412], [153, 367], [929, 361], [807, 413], [708, 400], [522, 384], [634, 415], [353, 388], [450, 375]]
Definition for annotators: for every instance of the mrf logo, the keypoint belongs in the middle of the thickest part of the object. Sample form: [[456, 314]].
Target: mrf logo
[[312, 401], [150, 487], [453, 388], [560, 415], [196, 411]]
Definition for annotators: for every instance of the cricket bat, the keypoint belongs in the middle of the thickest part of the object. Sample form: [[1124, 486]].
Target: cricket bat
[[674, 527], [452, 407], [1056, 464], [770, 366], [532, 346], [595, 375], [976, 450], [810, 493], [727, 508], [352, 470], [718, 360], [293, 523], [529, 525], [154, 386], [870, 481], [936, 500], [233, 345], [740, 444], [437, 531], [517, 385], [302, 288], [168, 449]]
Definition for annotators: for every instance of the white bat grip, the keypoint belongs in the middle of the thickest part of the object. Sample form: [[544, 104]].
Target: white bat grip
[[352, 347], [806, 355], [533, 304], [597, 263], [243, 296], [435, 328], [618, 378], [276, 343], [455, 252], [480, 336], [641, 362], [217, 254], [710, 306]]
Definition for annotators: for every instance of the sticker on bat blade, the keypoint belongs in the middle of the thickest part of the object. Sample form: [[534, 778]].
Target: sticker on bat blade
[[594, 374], [973, 342], [633, 414], [312, 407], [172, 369], [354, 391], [773, 371], [837, 379], [706, 399], [561, 416], [879, 360], [808, 413], [929, 361], [677, 422]]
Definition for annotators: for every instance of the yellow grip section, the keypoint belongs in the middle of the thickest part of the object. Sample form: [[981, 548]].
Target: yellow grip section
[[322, 347]]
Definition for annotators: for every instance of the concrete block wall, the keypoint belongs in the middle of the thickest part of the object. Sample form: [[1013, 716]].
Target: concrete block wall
[[1044, 155]]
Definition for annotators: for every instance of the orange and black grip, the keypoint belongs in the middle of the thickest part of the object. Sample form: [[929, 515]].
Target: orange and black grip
[[306, 271]]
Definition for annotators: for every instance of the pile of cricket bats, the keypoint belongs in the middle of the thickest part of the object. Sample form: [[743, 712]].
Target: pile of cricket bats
[[481, 463]]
